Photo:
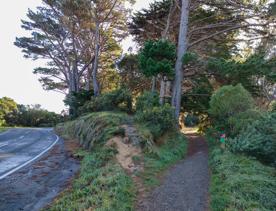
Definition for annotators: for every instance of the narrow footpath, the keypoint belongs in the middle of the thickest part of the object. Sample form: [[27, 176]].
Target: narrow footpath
[[185, 185]]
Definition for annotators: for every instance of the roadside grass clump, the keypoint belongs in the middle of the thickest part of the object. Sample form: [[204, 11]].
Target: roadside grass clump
[[94, 128], [101, 185], [167, 154], [240, 183]]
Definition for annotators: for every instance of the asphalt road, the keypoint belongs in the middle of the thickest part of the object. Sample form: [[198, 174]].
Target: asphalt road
[[34, 168]]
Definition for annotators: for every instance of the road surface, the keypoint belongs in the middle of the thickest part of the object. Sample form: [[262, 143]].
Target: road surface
[[34, 168]]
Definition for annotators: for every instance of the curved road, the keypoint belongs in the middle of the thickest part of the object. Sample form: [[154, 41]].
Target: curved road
[[34, 168], [19, 147]]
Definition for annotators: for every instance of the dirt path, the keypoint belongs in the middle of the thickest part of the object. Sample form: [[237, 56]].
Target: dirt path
[[185, 186]]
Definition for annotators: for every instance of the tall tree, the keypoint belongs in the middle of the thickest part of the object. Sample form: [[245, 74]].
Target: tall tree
[[214, 27]]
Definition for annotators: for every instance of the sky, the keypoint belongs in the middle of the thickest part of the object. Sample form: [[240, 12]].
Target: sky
[[16, 78]]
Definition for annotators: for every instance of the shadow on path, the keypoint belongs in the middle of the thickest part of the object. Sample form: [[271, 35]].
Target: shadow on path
[[185, 186]]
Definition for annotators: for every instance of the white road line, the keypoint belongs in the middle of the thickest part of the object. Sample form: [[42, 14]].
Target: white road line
[[29, 161]]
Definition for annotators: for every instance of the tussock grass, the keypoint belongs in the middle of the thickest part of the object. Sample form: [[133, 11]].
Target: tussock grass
[[240, 183]]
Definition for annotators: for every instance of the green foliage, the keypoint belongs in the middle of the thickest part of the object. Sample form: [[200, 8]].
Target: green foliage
[[166, 155], [227, 102], [77, 99], [157, 57], [102, 185], [196, 100], [191, 120], [235, 72], [159, 119], [32, 116], [131, 77], [147, 100], [119, 99], [7, 106], [258, 140], [240, 121], [189, 58], [95, 128], [273, 106], [240, 183]]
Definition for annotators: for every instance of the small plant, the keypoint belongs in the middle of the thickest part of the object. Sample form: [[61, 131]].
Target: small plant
[[147, 100], [119, 99], [159, 119], [258, 140]]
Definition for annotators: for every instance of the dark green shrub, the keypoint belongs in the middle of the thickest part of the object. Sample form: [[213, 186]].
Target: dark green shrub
[[158, 119], [147, 100], [227, 102], [119, 99], [258, 140], [157, 57], [191, 120], [75, 100], [240, 121]]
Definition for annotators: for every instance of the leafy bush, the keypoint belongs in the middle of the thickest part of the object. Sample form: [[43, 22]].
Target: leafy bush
[[227, 102], [77, 99], [147, 100], [119, 99], [240, 121], [158, 119], [258, 140]]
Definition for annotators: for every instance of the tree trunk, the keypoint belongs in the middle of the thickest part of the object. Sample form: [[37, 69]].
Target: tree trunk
[[96, 61], [162, 91], [153, 84], [88, 81], [181, 50], [165, 84]]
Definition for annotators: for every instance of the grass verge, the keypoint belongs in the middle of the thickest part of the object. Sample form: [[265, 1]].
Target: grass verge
[[102, 184], [240, 183]]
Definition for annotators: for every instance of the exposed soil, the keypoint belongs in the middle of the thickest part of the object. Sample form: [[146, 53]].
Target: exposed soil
[[185, 186], [126, 154], [36, 185]]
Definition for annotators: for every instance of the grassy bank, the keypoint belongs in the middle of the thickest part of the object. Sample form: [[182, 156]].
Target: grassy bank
[[166, 155], [102, 183], [240, 183]]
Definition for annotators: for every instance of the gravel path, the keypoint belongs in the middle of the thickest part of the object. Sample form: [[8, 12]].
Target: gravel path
[[185, 186]]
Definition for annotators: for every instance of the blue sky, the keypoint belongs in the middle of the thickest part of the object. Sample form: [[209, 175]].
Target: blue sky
[[16, 78]]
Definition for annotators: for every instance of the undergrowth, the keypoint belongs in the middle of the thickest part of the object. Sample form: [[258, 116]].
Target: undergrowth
[[101, 185], [240, 183], [173, 150]]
